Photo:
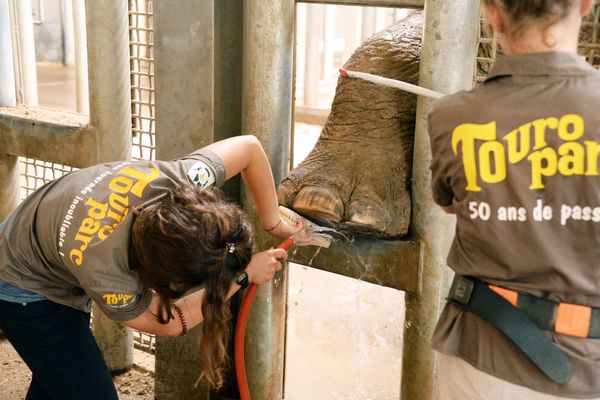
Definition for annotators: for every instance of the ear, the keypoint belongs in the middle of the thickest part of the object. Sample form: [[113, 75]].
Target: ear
[[586, 7], [495, 17]]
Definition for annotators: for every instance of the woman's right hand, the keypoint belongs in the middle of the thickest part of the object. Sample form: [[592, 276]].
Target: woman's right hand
[[264, 264]]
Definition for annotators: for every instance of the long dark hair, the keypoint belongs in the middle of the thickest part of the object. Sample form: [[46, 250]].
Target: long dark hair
[[180, 243]]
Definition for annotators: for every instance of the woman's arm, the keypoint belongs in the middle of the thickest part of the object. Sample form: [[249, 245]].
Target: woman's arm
[[244, 154], [261, 269]]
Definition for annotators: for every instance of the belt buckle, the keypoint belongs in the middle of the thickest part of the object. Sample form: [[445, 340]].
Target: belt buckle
[[461, 290]]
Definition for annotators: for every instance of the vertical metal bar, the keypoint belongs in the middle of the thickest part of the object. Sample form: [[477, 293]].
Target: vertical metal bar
[[26, 43], [184, 65], [312, 70], [185, 74], [110, 118], [7, 76], [109, 80], [329, 70], [68, 33], [447, 59], [369, 19], [266, 113], [81, 62], [9, 171]]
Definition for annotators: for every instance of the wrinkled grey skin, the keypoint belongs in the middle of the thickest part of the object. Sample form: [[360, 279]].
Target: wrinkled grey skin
[[357, 177]]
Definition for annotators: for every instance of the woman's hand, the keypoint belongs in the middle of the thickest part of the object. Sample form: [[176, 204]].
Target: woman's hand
[[263, 265], [301, 233]]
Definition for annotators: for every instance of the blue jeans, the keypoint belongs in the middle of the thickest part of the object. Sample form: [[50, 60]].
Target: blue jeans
[[56, 343]]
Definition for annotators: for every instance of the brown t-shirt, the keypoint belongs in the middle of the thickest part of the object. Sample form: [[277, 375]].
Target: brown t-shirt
[[69, 240], [517, 157]]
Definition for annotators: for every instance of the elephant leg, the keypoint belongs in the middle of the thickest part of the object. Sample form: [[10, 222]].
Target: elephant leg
[[357, 177]]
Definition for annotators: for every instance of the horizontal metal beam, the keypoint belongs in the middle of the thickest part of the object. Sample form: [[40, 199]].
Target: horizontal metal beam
[[48, 135], [391, 263], [371, 3]]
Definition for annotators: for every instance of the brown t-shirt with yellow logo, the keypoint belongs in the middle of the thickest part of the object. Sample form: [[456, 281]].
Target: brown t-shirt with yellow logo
[[69, 240], [518, 158]]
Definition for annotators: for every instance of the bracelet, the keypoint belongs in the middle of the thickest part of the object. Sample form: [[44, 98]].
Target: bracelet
[[180, 314], [276, 225]]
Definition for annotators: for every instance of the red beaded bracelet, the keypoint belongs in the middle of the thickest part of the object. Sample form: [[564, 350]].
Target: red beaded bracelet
[[180, 314]]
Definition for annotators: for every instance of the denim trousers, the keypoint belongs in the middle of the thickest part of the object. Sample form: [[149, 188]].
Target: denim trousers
[[57, 344]]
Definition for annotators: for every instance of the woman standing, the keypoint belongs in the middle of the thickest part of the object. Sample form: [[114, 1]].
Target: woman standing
[[517, 160]]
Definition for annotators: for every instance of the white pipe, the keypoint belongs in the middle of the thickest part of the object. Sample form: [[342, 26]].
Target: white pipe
[[27, 51], [81, 60], [7, 74], [312, 67], [329, 42], [379, 80], [68, 46]]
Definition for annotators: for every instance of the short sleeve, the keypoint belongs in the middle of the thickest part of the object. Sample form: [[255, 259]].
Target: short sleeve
[[441, 160], [207, 170], [121, 305]]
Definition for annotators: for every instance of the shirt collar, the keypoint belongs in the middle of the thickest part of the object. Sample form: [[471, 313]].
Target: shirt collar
[[548, 63]]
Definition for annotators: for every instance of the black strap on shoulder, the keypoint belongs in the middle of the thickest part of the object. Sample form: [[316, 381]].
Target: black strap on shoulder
[[475, 296]]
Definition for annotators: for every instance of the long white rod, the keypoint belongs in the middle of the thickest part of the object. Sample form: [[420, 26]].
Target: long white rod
[[81, 60], [7, 73], [379, 80]]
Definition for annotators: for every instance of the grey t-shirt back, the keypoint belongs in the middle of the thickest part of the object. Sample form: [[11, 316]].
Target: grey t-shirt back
[[69, 240]]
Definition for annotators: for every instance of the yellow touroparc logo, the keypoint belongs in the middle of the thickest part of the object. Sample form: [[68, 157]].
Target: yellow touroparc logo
[[103, 218], [488, 163], [117, 299]]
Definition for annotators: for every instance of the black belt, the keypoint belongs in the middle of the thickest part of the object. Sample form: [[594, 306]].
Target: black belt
[[473, 295]]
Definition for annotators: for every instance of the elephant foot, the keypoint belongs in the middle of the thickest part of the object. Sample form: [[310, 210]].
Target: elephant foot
[[357, 177], [320, 203]]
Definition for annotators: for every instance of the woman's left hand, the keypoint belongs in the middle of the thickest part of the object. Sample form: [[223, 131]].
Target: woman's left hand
[[301, 232]]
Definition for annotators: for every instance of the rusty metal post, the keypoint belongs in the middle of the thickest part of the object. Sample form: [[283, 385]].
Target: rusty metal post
[[447, 61], [9, 171], [110, 117], [266, 113]]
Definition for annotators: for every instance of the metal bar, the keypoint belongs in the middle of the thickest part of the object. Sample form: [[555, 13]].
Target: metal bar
[[9, 169], [68, 33], [110, 119], [185, 47], [108, 74], [81, 62], [371, 3], [390, 263], [266, 113], [26, 43], [448, 55], [312, 67], [184, 68], [7, 77]]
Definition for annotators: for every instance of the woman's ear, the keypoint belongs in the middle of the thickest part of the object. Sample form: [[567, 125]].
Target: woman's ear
[[586, 7], [495, 17]]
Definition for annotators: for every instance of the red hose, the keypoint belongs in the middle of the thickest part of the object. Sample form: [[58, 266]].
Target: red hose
[[240, 331]]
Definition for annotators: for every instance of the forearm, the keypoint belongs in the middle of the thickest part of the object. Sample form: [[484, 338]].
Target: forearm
[[259, 180]]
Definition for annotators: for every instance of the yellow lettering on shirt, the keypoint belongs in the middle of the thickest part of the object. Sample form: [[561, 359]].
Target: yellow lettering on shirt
[[104, 218], [486, 158]]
